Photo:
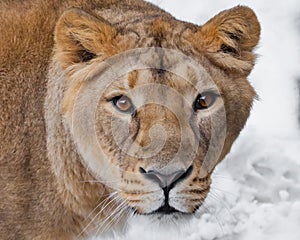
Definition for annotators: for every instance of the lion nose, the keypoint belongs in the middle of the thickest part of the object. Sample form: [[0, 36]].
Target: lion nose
[[167, 180]]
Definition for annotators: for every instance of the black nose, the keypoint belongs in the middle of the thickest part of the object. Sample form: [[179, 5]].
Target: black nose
[[169, 180]]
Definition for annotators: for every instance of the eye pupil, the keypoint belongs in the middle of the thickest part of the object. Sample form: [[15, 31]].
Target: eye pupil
[[204, 101], [123, 104]]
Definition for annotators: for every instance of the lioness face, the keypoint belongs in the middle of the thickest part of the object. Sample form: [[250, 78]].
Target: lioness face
[[152, 123], [158, 130]]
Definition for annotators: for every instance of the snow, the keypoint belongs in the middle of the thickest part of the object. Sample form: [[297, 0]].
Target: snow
[[256, 189]]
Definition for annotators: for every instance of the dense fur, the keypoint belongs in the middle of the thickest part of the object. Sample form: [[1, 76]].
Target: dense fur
[[50, 51]]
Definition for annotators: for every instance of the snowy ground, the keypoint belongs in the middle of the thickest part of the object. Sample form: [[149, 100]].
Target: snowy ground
[[256, 189]]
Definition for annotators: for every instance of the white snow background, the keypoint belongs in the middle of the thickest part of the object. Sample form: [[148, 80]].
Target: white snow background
[[256, 189]]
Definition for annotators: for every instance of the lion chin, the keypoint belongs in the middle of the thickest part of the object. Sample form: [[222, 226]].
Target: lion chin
[[159, 221], [112, 110]]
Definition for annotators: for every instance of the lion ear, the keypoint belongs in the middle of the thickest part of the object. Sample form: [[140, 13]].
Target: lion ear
[[80, 37], [230, 37]]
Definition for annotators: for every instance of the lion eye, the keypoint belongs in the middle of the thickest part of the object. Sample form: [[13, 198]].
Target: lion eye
[[123, 104], [204, 100]]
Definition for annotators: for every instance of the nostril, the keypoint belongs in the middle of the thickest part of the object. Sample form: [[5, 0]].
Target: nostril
[[142, 170], [186, 174], [169, 180]]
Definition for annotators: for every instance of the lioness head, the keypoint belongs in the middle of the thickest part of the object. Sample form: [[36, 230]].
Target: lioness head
[[146, 109]]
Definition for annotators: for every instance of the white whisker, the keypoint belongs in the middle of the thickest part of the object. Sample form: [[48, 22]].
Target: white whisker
[[102, 209], [105, 223]]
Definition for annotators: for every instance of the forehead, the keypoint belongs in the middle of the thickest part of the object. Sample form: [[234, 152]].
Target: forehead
[[183, 80], [157, 84], [159, 66]]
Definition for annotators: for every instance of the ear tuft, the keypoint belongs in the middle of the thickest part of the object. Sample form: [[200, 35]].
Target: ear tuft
[[80, 37], [230, 50], [230, 37], [85, 55]]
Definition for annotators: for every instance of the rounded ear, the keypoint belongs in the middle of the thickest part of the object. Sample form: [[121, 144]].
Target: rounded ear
[[229, 38], [79, 37]]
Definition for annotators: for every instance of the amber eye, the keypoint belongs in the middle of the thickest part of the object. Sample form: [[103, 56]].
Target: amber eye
[[123, 104], [205, 100]]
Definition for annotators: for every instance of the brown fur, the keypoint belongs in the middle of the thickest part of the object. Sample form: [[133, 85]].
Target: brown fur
[[47, 192]]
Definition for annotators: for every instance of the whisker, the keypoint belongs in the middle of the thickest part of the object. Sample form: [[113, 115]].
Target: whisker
[[130, 215], [206, 206], [187, 187], [219, 200], [101, 201], [92, 220], [98, 181], [224, 191], [115, 188], [216, 175], [116, 217], [105, 223]]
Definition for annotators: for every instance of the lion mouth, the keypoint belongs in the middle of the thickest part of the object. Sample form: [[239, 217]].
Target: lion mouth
[[166, 209]]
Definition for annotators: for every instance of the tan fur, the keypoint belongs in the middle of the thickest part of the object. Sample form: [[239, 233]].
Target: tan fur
[[50, 51]]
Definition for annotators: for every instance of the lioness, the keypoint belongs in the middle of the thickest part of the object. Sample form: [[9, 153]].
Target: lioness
[[111, 109]]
